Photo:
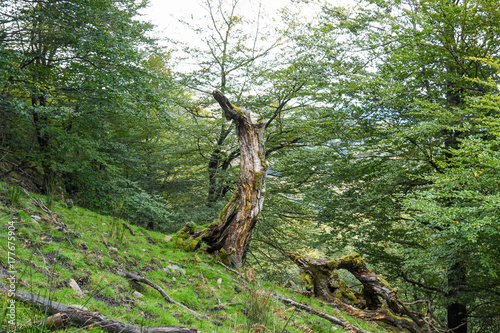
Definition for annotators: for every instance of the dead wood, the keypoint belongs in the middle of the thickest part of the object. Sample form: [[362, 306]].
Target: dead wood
[[137, 278], [177, 263], [376, 300], [129, 228], [69, 316], [4, 273], [318, 313], [230, 234], [53, 216]]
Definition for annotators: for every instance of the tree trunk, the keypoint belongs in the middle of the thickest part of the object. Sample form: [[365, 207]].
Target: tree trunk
[[230, 235], [376, 301], [41, 122], [456, 311]]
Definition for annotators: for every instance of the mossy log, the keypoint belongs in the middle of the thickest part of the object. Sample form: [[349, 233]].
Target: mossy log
[[230, 234], [375, 301]]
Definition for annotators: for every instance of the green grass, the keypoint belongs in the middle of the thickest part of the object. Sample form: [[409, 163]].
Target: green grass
[[48, 257]]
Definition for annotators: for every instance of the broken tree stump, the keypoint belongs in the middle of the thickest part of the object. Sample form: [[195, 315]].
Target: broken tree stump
[[230, 234]]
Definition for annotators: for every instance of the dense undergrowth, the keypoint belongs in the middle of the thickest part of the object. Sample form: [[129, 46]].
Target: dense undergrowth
[[47, 257]]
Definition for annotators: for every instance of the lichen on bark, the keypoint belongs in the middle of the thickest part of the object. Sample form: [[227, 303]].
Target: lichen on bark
[[375, 301]]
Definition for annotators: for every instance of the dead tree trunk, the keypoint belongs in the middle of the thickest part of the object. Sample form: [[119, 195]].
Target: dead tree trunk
[[230, 235], [376, 300]]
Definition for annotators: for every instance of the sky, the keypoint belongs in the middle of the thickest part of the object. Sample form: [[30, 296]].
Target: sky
[[166, 13]]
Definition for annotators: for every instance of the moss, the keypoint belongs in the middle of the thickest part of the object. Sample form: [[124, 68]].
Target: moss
[[223, 214], [385, 283], [355, 258], [307, 280], [186, 231], [258, 180], [224, 256], [179, 242], [395, 316], [294, 256], [190, 245], [333, 264], [189, 227], [263, 159], [237, 110], [182, 235], [350, 295], [343, 291]]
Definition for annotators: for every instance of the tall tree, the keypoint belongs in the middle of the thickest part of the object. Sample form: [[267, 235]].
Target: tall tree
[[80, 85]]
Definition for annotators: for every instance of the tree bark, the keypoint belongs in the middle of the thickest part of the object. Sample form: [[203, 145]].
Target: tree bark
[[230, 235], [69, 316], [456, 311], [376, 301]]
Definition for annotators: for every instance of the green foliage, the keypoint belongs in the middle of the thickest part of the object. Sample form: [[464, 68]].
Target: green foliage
[[406, 171], [13, 194], [85, 100]]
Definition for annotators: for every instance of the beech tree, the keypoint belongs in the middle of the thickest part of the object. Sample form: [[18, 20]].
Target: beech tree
[[84, 102], [390, 175]]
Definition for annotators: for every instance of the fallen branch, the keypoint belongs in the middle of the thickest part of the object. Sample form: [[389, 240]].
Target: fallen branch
[[53, 216], [304, 307], [228, 268], [4, 273], [69, 316], [129, 228], [177, 263], [39, 203], [137, 278], [318, 313]]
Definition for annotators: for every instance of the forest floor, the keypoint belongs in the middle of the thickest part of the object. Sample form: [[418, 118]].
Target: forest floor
[[75, 246]]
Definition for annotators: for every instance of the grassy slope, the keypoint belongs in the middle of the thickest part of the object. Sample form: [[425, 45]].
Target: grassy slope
[[48, 259]]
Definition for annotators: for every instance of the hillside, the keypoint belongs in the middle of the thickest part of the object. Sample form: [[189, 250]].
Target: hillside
[[76, 245]]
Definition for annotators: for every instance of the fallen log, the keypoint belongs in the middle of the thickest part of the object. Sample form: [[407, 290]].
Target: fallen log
[[70, 316], [376, 301]]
